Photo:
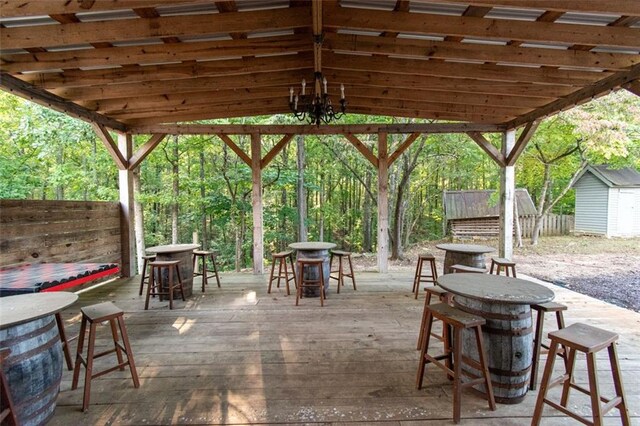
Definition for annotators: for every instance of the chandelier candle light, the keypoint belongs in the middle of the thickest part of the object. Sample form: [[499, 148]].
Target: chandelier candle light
[[316, 108]]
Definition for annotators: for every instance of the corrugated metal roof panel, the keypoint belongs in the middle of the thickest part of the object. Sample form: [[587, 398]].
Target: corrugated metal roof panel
[[482, 203]]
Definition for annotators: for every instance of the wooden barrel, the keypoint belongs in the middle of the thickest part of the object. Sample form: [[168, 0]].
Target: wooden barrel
[[33, 368], [508, 339], [186, 273], [312, 273], [475, 260]]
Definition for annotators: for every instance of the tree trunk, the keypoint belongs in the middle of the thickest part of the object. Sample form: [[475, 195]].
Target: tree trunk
[[302, 196], [516, 217], [367, 217], [175, 192], [203, 210], [138, 219], [541, 204]]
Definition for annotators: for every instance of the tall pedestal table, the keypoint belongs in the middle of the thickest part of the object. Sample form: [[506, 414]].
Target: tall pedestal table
[[505, 303], [34, 367], [313, 249], [183, 253]]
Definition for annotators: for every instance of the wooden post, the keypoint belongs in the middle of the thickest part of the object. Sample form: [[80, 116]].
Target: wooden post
[[256, 203], [507, 197], [383, 204], [127, 237]]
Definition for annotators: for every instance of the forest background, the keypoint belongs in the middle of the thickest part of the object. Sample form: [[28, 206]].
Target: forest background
[[196, 184]]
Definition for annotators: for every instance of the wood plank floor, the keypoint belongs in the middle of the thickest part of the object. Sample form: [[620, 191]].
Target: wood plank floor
[[236, 355]]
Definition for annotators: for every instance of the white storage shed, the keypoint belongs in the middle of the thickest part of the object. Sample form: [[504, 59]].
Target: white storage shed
[[608, 202]]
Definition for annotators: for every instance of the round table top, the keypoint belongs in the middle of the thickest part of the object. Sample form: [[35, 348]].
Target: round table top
[[172, 248], [466, 248], [23, 308], [312, 245], [495, 288]]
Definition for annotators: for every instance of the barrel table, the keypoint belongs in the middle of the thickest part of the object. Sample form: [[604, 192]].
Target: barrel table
[[315, 249], [183, 253], [34, 367], [464, 254], [508, 334]]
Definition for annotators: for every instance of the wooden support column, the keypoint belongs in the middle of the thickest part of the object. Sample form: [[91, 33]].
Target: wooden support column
[[256, 203], [383, 204], [507, 197], [127, 237]]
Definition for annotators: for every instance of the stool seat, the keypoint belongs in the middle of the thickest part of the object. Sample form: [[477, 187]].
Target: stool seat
[[419, 277], [455, 316], [101, 311], [549, 307], [283, 253], [165, 263], [500, 263], [503, 261], [584, 337], [340, 254], [468, 269]]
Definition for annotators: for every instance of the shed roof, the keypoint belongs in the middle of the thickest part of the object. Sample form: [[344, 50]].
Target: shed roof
[[624, 177], [478, 204], [130, 63]]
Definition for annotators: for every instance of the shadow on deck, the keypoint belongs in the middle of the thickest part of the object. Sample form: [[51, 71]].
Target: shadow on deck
[[238, 355]]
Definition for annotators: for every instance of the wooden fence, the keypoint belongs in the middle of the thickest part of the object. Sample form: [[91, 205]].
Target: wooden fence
[[552, 224], [36, 231], [489, 227]]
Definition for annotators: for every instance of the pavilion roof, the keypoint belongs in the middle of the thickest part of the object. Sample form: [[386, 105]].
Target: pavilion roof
[[130, 63]]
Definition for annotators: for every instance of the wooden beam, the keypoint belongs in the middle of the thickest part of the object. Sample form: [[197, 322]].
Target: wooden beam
[[487, 147], [203, 114], [235, 148], [611, 7], [423, 49], [256, 203], [507, 198], [427, 115], [275, 150], [11, 8], [24, 90], [521, 143], [403, 147], [125, 186], [364, 150], [145, 150], [383, 204], [111, 146], [166, 26], [579, 96], [333, 129], [464, 26], [633, 87]]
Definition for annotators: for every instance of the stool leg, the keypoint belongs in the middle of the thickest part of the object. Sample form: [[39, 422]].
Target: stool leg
[[273, 266], [353, 276], [596, 409], [150, 284], [568, 376], [537, 341], [114, 334], [279, 272], [340, 277], [76, 369], [205, 279], [65, 342], [617, 382], [457, 373], [416, 279], [170, 288], [322, 286], [544, 385], [180, 283], [293, 271], [127, 347], [299, 286], [423, 349], [493, 263], [513, 272], [89, 367], [427, 301], [485, 368], [144, 273], [283, 262], [215, 270]]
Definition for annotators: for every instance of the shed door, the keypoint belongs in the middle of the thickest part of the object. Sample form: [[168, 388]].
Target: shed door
[[627, 211]]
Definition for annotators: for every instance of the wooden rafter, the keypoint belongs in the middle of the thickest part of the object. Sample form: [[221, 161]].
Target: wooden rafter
[[487, 147], [275, 150], [633, 87], [403, 147], [364, 150], [521, 143], [235, 148], [52, 7], [111, 145], [145, 150]]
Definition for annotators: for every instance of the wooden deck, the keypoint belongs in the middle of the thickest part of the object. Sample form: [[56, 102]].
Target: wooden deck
[[237, 355]]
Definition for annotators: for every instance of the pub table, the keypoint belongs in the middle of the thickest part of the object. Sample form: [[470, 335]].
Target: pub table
[[33, 369], [464, 254], [183, 253], [315, 249], [505, 304]]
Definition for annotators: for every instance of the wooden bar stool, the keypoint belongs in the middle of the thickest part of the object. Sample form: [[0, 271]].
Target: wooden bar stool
[[501, 263], [202, 254], [65, 342], [589, 340], [94, 315], [302, 282], [156, 287], [145, 274], [467, 269], [443, 296], [282, 258], [458, 320], [8, 413], [341, 274], [538, 345], [428, 278]]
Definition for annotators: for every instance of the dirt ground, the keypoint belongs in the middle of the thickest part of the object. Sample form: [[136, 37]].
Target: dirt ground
[[607, 269]]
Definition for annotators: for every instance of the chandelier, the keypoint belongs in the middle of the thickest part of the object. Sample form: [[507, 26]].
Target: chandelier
[[316, 107]]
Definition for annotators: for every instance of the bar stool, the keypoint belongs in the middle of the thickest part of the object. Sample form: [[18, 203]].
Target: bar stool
[[202, 254], [145, 275], [281, 258], [589, 340], [155, 287], [445, 297], [302, 282], [8, 409], [341, 274], [458, 320], [419, 277], [538, 345], [467, 269], [94, 315], [64, 341], [502, 263]]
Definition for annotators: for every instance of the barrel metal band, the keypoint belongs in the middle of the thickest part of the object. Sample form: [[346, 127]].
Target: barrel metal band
[[491, 315], [35, 333], [511, 332], [509, 373], [522, 385], [51, 392], [12, 360]]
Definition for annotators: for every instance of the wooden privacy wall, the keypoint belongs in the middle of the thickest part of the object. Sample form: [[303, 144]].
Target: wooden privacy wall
[[552, 224], [34, 231]]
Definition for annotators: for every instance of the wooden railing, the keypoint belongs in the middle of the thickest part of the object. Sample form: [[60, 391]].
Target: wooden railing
[[36, 231]]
